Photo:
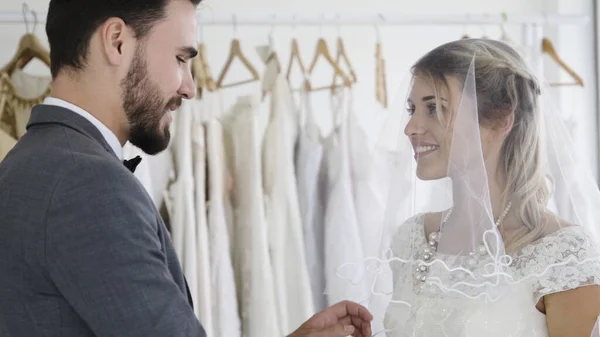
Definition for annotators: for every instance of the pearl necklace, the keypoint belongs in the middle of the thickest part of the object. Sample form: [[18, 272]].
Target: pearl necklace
[[434, 238]]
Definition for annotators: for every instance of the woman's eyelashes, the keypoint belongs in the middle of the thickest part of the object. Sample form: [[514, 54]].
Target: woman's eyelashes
[[431, 109]]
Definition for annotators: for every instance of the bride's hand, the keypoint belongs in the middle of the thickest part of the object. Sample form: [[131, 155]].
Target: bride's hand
[[343, 319]]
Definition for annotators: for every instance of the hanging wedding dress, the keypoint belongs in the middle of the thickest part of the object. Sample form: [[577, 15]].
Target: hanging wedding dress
[[189, 238], [19, 92], [205, 293], [369, 186], [226, 321], [292, 284], [311, 178], [180, 196], [251, 259], [344, 253]]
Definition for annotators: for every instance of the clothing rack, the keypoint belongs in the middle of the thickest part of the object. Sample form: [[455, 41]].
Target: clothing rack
[[208, 18]]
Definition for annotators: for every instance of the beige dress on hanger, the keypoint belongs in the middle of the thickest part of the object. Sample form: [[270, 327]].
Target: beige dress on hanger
[[19, 92], [250, 240]]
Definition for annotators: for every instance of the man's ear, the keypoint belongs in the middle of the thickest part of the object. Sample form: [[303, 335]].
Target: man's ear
[[114, 34]]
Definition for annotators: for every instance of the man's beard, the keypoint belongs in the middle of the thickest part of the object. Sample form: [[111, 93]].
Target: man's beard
[[144, 108]]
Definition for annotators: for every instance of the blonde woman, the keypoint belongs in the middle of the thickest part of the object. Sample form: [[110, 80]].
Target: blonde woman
[[480, 253]]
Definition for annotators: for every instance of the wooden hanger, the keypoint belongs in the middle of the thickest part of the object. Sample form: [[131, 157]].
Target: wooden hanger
[[273, 54], [380, 80], [202, 73], [236, 51], [341, 54], [548, 48], [269, 56], [273, 57], [323, 50], [28, 49], [295, 55]]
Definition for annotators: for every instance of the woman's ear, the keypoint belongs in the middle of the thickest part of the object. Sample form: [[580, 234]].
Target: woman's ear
[[507, 123]]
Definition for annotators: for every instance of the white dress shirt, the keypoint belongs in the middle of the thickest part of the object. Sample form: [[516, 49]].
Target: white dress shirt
[[108, 135]]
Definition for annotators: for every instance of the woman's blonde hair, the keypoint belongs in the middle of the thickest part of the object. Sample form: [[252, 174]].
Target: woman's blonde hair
[[503, 87]]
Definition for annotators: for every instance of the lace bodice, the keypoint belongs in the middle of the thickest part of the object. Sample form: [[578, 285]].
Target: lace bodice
[[19, 92], [564, 260]]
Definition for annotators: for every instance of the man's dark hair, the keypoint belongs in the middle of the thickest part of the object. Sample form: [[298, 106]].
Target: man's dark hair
[[71, 23]]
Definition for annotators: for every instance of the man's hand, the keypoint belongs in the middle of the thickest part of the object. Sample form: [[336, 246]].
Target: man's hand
[[340, 320]]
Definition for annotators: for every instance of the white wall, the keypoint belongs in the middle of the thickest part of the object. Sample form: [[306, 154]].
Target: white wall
[[402, 45]]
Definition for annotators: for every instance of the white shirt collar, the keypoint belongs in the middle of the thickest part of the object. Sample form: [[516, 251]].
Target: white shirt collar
[[108, 135]]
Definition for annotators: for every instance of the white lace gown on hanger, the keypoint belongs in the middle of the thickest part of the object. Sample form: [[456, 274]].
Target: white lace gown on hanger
[[226, 320], [180, 196], [251, 259], [369, 186], [515, 315], [311, 178], [292, 284], [184, 224], [344, 252], [205, 292]]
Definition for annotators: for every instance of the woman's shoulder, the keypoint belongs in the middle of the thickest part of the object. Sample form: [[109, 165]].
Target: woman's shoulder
[[557, 230], [566, 256]]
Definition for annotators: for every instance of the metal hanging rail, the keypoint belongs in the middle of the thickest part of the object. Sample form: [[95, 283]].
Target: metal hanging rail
[[208, 18]]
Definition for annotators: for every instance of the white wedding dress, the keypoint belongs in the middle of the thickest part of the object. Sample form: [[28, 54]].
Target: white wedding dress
[[226, 320], [225, 309], [434, 314], [344, 252], [204, 286], [290, 274], [187, 214], [311, 175]]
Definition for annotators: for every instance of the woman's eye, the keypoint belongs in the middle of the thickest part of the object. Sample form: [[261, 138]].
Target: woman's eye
[[180, 59], [411, 110], [432, 109]]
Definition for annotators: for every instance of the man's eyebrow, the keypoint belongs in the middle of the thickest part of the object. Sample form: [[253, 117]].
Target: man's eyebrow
[[190, 52]]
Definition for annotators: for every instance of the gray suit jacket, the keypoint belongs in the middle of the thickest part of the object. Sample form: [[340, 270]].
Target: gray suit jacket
[[83, 250]]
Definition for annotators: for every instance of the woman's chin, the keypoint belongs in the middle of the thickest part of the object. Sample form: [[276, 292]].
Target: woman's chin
[[429, 173]]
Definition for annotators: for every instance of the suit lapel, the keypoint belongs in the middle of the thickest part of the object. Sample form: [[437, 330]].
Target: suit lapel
[[189, 294]]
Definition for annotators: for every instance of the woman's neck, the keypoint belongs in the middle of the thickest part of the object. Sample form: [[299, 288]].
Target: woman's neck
[[465, 190]]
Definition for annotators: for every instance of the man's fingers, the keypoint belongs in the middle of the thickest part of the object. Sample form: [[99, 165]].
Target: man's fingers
[[345, 308], [366, 329], [363, 329], [338, 330]]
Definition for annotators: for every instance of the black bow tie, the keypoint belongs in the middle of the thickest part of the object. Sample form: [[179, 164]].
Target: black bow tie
[[132, 163]]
